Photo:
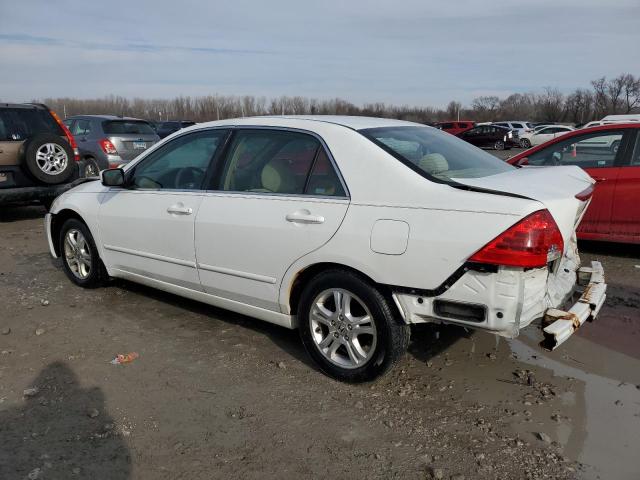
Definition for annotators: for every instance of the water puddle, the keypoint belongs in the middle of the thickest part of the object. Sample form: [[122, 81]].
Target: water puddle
[[604, 428]]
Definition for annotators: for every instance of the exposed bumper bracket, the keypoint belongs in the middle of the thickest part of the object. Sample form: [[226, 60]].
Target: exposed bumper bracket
[[562, 324]]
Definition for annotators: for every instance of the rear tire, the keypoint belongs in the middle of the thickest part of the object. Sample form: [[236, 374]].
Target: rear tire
[[499, 145], [525, 143], [357, 341], [80, 258], [48, 158], [91, 168]]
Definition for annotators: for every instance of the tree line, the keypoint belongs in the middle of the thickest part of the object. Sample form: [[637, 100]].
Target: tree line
[[606, 96]]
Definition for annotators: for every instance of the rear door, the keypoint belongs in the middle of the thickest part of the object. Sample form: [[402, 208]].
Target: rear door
[[277, 197], [130, 137], [625, 216]]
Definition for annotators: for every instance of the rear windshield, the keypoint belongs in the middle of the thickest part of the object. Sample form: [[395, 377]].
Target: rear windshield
[[21, 123], [435, 154], [126, 127]]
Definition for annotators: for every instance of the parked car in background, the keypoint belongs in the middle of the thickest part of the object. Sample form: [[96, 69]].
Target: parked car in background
[[349, 264], [519, 126], [167, 128], [38, 155], [543, 134], [455, 127], [612, 119], [107, 141], [611, 155], [491, 136]]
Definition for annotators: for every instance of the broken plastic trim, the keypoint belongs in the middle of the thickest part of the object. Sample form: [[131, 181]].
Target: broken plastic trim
[[562, 324]]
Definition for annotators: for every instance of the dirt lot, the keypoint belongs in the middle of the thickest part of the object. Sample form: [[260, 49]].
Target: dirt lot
[[218, 395]]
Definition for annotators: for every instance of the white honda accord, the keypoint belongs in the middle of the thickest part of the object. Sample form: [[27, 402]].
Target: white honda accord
[[347, 228]]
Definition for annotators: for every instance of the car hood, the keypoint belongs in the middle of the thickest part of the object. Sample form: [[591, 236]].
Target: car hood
[[554, 187]]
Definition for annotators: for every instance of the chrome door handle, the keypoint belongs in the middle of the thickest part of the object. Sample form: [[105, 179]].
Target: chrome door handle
[[180, 210], [304, 217]]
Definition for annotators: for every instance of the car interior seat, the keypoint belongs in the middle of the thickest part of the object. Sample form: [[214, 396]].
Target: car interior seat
[[433, 163]]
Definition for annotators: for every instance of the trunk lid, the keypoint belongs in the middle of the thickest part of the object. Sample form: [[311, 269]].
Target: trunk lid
[[554, 187], [130, 146]]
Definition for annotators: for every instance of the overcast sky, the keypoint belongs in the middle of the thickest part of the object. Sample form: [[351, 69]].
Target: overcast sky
[[415, 51]]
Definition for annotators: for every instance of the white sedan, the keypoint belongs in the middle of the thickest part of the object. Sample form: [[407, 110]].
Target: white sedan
[[348, 228], [543, 135]]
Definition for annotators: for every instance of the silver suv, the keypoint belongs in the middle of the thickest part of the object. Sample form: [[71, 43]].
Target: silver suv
[[520, 126], [107, 141]]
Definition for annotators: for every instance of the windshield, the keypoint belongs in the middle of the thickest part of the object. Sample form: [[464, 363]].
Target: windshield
[[436, 154], [126, 127]]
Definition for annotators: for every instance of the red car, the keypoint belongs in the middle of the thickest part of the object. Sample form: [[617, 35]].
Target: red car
[[456, 127], [611, 155]]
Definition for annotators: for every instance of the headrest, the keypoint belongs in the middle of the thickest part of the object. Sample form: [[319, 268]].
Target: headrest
[[433, 163]]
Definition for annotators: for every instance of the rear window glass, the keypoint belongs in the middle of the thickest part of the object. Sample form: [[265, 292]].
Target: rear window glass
[[127, 127], [436, 154], [22, 123]]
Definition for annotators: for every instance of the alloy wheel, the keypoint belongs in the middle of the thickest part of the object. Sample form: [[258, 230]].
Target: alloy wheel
[[342, 328], [51, 158], [77, 254]]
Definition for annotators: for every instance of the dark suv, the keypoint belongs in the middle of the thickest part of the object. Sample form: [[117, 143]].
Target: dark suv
[[167, 128], [38, 155]]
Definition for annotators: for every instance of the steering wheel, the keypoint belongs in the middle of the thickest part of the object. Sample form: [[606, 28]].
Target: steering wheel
[[189, 176]]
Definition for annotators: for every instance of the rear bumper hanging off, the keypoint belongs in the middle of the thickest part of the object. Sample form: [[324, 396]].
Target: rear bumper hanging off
[[560, 324]]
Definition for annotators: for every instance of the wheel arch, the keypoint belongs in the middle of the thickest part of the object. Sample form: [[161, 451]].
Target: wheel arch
[[303, 276], [58, 220]]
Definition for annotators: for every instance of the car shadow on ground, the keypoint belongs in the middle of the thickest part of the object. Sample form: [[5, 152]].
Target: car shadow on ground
[[15, 213], [61, 431], [286, 339], [427, 340]]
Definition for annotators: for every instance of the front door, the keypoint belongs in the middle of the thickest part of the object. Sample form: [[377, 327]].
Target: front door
[[276, 198], [147, 229]]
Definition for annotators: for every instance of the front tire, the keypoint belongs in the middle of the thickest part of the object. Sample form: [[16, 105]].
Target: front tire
[[80, 258], [525, 143], [349, 328]]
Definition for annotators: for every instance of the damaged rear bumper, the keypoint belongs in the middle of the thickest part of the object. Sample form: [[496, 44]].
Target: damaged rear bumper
[[561, 324]]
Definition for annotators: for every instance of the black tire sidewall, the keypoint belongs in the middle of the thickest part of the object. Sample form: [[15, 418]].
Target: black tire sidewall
[[96, 276], [387, 328], [29, 150]]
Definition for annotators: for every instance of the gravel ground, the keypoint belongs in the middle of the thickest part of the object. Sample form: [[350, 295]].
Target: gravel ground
[[214, 394]]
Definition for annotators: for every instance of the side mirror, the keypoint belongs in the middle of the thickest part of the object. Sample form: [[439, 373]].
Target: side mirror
[[112, 177]]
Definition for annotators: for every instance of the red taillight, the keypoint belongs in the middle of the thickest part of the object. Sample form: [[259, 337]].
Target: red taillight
[[585, 195], [532, 242], [108, 147], [67, 133]]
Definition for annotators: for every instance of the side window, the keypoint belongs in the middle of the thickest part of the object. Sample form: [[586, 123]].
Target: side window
[[596, 150], [516, 125], [635, 157], [269, 161], [180, 164], [447, 126], [81, 127], [4, 127], [324, 179]]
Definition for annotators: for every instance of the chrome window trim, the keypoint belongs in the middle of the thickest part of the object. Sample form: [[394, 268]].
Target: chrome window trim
[[233, 128]]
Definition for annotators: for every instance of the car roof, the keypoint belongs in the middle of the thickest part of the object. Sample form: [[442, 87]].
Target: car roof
[[571, 134], [103, 117], [352, 122], [24, 105]]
